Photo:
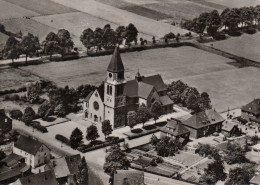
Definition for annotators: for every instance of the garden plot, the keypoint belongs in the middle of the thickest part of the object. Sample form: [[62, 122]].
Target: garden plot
[[42, 7], [186, 158], [52, 121], [122, 17], [246, 46], [10, 11]]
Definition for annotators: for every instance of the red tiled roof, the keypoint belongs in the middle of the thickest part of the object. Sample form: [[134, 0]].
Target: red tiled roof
[[116, 64], [253, 107]]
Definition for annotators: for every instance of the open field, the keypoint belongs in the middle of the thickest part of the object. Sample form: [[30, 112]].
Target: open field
[[230, 88], [42, 7], [3, 39], [246, 46], [9, 11], [15, 78], [236, 3]]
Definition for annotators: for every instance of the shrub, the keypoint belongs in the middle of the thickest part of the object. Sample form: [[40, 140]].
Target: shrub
[[16, 114], [14, 97], [220, 37], [234, 33], [39, 127], [28, 115], [250, 31], [137, 131], [63, 139], [6, 98]]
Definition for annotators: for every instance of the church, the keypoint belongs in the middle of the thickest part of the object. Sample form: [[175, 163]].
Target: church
[[119, 96]]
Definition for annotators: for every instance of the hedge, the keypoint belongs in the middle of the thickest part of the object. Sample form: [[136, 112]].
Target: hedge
[[16, 114], [10, 91], [39, 127], [31, 62], [143, 134], [63, 139], [87, 148], [250, 31]]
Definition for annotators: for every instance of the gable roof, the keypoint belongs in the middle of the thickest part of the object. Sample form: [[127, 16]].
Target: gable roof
[[144, 90], [228, 125], [253, 107], [131, 87], [16, 172], [64, 166], [133, 177], [28, 144], [175, 128], [204, 118], [88, 97], [116, 64], [165, 100], [43, 178]]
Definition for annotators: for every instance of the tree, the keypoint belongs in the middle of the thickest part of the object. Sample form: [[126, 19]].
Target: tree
[[28, 115], [240, 175], [156, 110], [29, 45], [232, 19], [16, 114], [131, 119], [109, 36], [154, 140], [115, 160], [204, 101], [51, 44], [255, 139], [213, 23], [12, 49], [200, 23], [246, 16], [224, 18], [92, 133], [176, 89], [131, 34], [214, 173], [87, 38], [167, 146], [65, 43], [235, 154], [82, 174], [60, 110], [98, 37], [106, 128], [76, 138], [142, 114], [33, 92], [44, 108], [120, 34]]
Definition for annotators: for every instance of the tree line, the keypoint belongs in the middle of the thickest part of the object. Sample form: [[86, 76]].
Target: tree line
[[248, 17]]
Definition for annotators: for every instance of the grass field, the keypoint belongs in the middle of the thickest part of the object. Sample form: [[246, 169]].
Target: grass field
[[3, 39], [9, 11], [236, 3], [15, 78], [246, 46], [42, 7]]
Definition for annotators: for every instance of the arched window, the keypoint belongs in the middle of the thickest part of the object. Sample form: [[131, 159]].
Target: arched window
[[107, 89], [110, 90]]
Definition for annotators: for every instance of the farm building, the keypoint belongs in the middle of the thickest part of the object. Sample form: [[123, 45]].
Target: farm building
[[130, 177], [251, 111], [230, 128], [34, 152], [64, 167], [204, 123], [175, 129], [119, 96], [5, 122]]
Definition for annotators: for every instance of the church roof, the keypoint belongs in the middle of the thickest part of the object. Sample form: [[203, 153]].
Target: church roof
[[144, 90], [165, 100], [116, 64]]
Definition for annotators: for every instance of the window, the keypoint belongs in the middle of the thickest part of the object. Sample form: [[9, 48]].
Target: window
[[96, 105], [110, 75], [110, 90], [107, 89]]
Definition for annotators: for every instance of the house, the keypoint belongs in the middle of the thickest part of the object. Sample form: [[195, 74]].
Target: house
[[251, 111], [34, 152], [5, 122], [130, 177], [230, 128], [64, 167], [43, 178], [255, 180], [118, 96], [175, 129], [204, 123]]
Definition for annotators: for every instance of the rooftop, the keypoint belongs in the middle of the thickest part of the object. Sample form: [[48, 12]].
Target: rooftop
[[44, 178], [175, 128], [116, 64], [228, 125], [253, 107]]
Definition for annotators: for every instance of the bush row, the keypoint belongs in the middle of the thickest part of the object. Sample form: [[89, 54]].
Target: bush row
[[87, 148], [143, 134], [10, 91], [31, 62], [39, 127], [63, 139]]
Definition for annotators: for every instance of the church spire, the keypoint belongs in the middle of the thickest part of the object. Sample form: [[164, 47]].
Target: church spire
[[116, 64]]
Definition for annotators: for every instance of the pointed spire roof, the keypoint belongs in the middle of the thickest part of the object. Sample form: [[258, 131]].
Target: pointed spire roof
[[116, 64]]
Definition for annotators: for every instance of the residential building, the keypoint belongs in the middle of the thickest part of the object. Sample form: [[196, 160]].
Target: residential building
[[130, 177], [118, 96], [255, 149], [34, 152], [255, 180], [175, 129], [204, 123], [251, 111], [230, 128], [64, 167], [5, 122], [43, 178]]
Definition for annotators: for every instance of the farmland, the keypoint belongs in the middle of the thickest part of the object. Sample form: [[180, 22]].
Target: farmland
[[246, 46]]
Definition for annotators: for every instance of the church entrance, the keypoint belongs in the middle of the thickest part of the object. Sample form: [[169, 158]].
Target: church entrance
[[95, 118]]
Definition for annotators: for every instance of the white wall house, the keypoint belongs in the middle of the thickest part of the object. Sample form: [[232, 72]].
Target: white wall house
[[34, 152]]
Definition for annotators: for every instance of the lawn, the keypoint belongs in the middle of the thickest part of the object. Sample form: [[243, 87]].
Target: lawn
[[9, 11], [42, 7], [246, 46], [14, 78]]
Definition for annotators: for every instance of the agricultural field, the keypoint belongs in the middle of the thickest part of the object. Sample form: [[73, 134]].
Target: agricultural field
[[246, 46], [10, 11], [236, 3], [14, 78]]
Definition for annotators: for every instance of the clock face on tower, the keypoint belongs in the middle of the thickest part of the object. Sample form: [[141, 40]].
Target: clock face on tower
[[96, 105]]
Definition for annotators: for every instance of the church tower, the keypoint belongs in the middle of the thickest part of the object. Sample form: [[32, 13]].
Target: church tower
[[114, 100]]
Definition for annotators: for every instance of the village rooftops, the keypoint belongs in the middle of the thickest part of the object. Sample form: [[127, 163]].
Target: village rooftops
[[204, 118], [175, 128], [228, 125], [28, 144], [252, 107]]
